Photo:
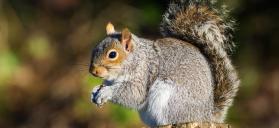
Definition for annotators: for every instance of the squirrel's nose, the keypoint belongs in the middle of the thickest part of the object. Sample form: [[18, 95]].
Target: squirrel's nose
[[95, 72], [99, 71]]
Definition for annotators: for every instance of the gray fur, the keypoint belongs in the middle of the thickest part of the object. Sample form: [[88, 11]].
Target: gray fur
[[176, 81], [208, 27], [175, 63], [186, 71]]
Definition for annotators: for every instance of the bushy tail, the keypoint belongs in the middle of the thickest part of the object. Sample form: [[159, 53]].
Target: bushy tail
[[204, 23]]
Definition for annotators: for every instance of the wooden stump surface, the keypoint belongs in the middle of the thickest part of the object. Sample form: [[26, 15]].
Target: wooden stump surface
[[197, 125]]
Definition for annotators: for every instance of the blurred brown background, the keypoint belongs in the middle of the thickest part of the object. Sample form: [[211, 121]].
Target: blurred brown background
[[45, 49]]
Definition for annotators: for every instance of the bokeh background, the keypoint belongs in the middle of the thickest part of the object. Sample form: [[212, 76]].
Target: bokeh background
[[45, 50]]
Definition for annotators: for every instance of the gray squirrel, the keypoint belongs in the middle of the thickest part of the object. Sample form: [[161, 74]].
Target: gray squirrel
[[186, 76]]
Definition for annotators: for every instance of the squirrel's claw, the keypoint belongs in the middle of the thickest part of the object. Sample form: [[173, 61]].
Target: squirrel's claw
[[94, 93], [100, 95]]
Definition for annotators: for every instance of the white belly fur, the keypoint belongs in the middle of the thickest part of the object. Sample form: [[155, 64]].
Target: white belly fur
[[154, 112]]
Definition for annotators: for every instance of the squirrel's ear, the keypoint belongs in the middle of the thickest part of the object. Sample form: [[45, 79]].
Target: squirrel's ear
[[126, 40], [110, 28]]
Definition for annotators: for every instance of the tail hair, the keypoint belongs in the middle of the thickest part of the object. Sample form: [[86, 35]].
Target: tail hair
[[205, 24]]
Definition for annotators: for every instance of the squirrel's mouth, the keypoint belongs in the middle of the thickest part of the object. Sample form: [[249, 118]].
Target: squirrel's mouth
[[99, 76], [102, 77]]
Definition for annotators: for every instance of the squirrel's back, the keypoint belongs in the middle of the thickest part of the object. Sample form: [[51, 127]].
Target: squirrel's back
[[206, 26], [183, 63]]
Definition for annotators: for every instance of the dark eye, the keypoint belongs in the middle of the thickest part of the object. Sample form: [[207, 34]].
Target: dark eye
[[112, 54]]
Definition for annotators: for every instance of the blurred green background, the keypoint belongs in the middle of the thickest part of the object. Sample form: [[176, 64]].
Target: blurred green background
[[45, 50]]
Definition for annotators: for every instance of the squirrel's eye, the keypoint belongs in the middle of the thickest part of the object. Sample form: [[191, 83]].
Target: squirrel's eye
[[112, 55]]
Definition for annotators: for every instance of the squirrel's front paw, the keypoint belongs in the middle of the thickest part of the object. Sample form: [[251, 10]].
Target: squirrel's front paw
[[101, 94]]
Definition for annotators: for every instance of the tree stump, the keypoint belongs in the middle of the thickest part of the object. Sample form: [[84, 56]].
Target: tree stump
[[197, 125]]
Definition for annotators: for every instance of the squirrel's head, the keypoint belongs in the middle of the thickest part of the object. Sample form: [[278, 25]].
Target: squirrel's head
[[110, 53]]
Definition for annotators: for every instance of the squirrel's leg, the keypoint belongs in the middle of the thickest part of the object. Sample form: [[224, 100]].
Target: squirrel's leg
[[190, 102], [169, 103]]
